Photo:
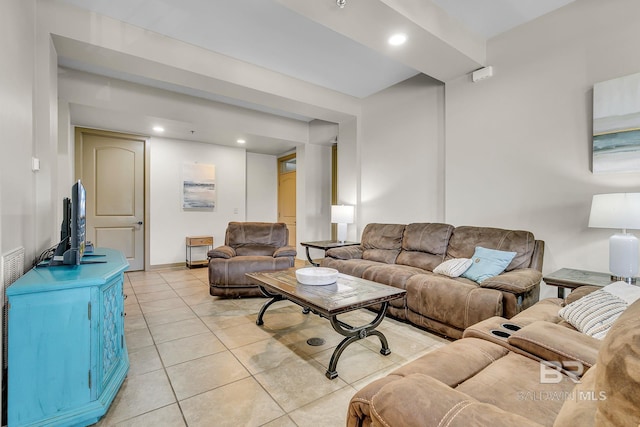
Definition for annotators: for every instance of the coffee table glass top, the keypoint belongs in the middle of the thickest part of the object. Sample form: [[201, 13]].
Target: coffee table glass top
[[348, 293]]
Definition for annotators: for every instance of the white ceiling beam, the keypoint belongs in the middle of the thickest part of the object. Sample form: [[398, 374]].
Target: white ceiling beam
[[437, 45], [89, 38]]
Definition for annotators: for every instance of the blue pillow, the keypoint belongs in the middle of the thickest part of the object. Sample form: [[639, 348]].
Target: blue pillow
[[487, 263]]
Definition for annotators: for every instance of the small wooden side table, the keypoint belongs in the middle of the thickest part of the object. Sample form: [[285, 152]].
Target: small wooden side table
[[569, 278], [195, 242], [325, 245]]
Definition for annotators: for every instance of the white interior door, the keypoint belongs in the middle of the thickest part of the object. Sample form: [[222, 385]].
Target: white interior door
[[112, 171]]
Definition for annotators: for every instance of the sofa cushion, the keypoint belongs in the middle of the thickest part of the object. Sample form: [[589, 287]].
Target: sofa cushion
[[352, 267], [468, 356], [274, 234], [255, 250], [456, 302], [464, 240], [424, 245], [453, 267], [512, 383], [392, 275], [396, 403], [382, 242], [487, 263]]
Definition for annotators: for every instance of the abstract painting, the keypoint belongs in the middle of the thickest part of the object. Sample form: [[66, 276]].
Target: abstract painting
[[616, 125], [198, 186]]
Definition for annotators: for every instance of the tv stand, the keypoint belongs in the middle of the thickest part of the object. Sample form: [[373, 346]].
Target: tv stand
[[67, 350]]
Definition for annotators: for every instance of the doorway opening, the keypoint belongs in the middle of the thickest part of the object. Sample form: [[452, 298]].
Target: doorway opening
[[287, 194]]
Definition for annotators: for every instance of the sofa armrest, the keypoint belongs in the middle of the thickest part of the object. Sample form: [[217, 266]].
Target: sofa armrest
[[225, 252], [579, 292], [397, 403], [515, 281], [345, 252], [285, 251], [557, 343]]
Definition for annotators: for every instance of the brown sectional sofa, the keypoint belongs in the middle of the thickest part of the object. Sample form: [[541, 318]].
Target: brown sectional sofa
[[483, 381], [404, 256]]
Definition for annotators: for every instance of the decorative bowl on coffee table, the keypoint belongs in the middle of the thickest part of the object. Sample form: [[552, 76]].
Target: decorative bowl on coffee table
[[317, 276]]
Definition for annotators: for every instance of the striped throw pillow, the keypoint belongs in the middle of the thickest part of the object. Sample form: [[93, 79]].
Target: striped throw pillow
[[595, 313], [453, 267]]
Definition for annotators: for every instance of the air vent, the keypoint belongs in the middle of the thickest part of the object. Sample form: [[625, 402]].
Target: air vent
[[12, 269]]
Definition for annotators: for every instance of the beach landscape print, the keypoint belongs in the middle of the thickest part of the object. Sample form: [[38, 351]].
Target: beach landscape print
[[199, 186], [616, 125]]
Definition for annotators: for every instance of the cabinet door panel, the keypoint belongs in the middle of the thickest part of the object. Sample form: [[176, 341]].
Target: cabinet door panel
[[111, 345], [47, 377]]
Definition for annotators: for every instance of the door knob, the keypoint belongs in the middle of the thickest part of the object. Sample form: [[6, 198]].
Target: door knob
[[139, 223]]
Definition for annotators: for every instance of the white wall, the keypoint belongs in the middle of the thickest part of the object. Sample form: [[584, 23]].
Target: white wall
[[262, 187], [17, 182], [402, 154], [349, 173], [313, 194], [169, 222], [519, 144]]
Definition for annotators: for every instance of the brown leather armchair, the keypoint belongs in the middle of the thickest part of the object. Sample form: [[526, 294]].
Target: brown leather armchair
[[248, 247]]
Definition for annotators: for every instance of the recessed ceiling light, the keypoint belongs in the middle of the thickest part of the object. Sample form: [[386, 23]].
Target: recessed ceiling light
[[397, 39], [241, 141], [158, 128]]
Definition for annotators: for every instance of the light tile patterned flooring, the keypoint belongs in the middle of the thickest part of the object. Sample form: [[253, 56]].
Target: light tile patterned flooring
[[198, 360]]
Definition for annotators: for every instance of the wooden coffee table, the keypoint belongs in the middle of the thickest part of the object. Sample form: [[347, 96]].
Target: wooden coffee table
[[328, 301]]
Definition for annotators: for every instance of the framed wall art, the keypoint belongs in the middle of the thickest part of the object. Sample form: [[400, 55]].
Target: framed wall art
[[198, 186], [616, 125]]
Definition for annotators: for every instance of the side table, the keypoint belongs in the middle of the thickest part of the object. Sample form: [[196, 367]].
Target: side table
[[195, 242], [325, 245], [569, 278]]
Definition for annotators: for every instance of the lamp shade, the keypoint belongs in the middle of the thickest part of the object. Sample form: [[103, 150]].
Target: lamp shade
[[616, 210], [342, 214], [621, 211]]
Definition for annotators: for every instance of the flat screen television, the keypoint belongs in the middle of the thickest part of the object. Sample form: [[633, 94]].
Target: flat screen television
[[73, 229]]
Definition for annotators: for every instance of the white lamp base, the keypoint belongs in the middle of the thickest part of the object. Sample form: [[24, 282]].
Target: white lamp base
[[623, 256], [342, 232]]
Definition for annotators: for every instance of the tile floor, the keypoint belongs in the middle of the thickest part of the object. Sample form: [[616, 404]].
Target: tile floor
[[198, 360]]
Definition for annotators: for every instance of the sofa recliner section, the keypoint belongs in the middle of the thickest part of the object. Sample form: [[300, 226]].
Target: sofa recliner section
[[483, 381], [404, 256], [249, 247]]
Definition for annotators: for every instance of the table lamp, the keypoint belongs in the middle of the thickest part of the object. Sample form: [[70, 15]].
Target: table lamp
[[621, 211], [342, 215]]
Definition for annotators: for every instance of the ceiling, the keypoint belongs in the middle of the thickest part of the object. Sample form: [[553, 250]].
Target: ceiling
[[315, 41]]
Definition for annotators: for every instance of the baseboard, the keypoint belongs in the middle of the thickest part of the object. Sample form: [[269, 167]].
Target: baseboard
[[174, 265]]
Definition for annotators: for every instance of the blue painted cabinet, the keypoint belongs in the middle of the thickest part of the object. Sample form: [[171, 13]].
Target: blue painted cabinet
[[66, 349]]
